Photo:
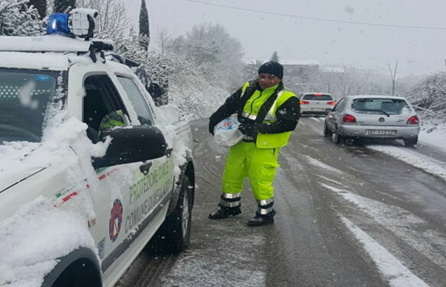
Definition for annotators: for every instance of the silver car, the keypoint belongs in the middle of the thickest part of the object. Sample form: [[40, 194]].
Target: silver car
[[364, 116], [316, 103]]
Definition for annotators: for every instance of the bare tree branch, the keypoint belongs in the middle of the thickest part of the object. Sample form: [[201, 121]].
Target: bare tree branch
[[112, 21]]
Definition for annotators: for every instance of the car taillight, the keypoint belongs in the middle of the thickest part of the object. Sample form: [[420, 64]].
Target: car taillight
[[413, 120], [304, 102], [349, 119], [331, 103]]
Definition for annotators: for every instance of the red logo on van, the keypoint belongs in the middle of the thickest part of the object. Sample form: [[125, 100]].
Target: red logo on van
[[114, 225]]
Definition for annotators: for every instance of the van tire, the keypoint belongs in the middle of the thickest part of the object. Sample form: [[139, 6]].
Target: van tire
[[80, 268], [174, 235]]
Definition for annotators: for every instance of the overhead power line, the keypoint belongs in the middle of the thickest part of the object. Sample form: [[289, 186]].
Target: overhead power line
[[318, 19]]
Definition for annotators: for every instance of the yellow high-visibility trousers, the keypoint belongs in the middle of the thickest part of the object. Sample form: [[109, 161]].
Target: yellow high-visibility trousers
[[259, 165]]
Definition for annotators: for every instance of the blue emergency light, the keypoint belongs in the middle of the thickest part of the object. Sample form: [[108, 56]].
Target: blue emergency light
[[58, 24], [79, 23]]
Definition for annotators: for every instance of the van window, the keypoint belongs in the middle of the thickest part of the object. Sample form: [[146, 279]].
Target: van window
[[317, 97], [138, 101], [103, 106]]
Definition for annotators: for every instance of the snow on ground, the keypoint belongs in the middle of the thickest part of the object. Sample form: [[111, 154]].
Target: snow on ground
[[412, 157], [202, 268], [430, 136], [397, 274], [434, 136], [400, 222], [321, 164]]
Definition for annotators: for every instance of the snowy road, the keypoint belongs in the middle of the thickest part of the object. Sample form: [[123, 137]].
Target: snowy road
[[366, 215]]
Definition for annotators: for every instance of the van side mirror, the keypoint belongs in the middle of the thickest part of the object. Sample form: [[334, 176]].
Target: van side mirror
[[138, 143]]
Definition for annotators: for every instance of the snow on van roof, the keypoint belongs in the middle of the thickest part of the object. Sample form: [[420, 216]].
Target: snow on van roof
[[50, 61], [48, 43]]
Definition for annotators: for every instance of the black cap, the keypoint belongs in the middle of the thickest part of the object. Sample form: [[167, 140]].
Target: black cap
[[273, 68]]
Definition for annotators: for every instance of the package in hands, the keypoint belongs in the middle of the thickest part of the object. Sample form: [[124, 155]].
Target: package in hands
[[226, 132]]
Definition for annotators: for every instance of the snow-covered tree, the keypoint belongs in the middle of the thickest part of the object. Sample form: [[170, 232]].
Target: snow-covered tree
[[275, 57], [430, 94], [215, 53], [144, 30], [156, 66], [41, 6], [60, 6], [251, 70], [17, 18], [162, 39]]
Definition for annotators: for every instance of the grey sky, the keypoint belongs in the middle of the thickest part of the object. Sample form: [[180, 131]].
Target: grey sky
[[418, 51]]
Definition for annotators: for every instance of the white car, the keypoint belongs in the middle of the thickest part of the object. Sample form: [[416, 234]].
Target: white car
[[316, 103], [373, 116], [89, 173]]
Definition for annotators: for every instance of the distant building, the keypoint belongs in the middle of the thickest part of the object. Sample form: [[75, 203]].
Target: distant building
[[300, 69]]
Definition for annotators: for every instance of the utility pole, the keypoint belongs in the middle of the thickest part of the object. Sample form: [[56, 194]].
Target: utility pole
[[393, 76]]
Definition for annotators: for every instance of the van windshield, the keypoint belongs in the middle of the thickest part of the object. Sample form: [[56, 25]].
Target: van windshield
[[24, 98]]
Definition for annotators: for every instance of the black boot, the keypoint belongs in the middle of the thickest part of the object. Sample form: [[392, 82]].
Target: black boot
[[260, 220], [225, 212]]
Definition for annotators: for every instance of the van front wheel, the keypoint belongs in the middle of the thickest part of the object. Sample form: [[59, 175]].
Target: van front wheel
[[174, 234]]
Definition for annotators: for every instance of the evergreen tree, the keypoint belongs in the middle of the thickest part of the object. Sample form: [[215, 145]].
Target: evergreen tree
[[61, 5], [41, 6], [275, 57], [144, 31]]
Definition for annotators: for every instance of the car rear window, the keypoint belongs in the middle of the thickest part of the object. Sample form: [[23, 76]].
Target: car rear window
[[390, 106], [317, 97]]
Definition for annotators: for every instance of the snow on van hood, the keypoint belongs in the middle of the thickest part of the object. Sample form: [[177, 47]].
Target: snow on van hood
[[38, 221], [7, 182], [34, 237], [63, 136]]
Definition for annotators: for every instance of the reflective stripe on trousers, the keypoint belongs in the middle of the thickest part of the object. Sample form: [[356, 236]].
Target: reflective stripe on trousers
[[230, 200], [265, 207]]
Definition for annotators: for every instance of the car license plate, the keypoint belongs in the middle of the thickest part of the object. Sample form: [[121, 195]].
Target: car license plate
[[380, 132], [317, 109]]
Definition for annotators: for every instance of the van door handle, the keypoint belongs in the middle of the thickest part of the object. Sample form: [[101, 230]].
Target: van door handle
[[145, 168]]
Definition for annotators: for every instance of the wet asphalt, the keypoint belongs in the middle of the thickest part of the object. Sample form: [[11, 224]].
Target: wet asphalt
[[319, 183]]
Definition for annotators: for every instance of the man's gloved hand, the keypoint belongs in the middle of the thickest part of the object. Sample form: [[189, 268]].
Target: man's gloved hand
[[249, 129]]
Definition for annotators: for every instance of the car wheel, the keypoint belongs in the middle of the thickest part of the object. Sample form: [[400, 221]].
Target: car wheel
[[174, 234], [337, 138], [79, 268], [327, 131], [410, 142]]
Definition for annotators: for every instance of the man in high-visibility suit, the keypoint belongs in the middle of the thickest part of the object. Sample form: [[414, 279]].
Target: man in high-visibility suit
[[268, 113]]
